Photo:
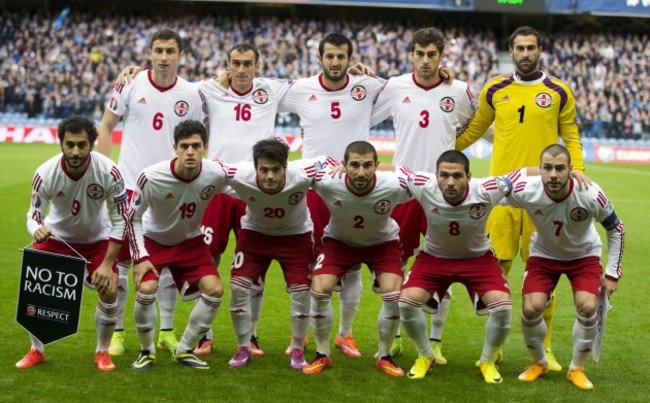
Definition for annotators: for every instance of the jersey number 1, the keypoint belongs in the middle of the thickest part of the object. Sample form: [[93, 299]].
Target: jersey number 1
[[521, 113]]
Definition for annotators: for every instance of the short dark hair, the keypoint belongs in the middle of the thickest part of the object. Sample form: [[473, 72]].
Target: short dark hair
[[359, 147], [427, 36], [188, 128], [554, 150], [77, 124], [336, 40], [165, 34], [273, 149], [244, 47], [524, 31], [453, 157]]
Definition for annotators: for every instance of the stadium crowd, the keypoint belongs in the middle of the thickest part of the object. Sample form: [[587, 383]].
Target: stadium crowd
[[51, 68]]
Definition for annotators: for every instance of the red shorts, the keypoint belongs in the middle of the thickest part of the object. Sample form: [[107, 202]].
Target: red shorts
[[255, 251], [94, 253], [125, 251], [412, 223], [188, 262], [542, 274], [479, 275], [222, 215], [320, 215], [336, 257]]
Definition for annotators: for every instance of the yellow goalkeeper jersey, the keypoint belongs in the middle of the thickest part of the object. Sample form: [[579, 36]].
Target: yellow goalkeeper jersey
[[527, 116]]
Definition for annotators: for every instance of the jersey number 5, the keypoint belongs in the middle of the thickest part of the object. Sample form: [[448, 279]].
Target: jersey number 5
[[336, 110]]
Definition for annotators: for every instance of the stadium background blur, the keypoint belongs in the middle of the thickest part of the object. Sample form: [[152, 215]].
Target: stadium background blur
[[61, 57]]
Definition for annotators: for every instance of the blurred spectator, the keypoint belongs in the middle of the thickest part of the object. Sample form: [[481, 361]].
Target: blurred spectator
[[47, 72]]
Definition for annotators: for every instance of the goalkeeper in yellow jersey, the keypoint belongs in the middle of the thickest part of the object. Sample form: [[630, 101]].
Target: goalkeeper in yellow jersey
[[530, 111]]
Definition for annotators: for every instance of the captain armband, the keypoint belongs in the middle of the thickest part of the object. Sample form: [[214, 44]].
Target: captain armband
[[610, 222]]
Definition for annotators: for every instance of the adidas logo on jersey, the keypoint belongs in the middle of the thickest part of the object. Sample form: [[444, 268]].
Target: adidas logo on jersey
[[312, 98], [505, 98], [169, 196], [338, 203], [435, 211], [406, 100], [142, 101], [60, 194], [539, 212], [252, 199]]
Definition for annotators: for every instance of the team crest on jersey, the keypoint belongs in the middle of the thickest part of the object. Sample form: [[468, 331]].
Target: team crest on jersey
[[207, 192], [296, 198], [36, 201], [95, 191], [543, 99], [382, 207], [477, 211], [137, 198], [579, 214], [112, 103], [447, 104], [181, 108], [260, 97], [358, 92]]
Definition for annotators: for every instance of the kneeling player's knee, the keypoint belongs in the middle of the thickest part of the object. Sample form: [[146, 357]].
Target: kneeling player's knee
[[586, 309], [530, 312], [214, 290], [148, 287]]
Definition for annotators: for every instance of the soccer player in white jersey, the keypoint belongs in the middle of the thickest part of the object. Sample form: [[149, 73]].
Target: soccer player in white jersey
[[334, 109], [566, 242], [426, 112], [167, 209], [276, 226], [78, 185], [244, 113], [152, 105], [456, 249], [360, 230]]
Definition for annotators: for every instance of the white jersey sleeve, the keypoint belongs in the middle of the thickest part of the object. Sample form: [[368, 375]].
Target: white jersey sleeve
[[168, 209], [239, 120], [150, 115], [77, 206], [457, 231], [362, 220]]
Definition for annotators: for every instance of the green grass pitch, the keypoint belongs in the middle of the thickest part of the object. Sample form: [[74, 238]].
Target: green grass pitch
[[69, 373]]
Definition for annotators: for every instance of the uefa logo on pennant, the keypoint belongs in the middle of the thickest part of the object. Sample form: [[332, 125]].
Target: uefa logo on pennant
[[31, 310]]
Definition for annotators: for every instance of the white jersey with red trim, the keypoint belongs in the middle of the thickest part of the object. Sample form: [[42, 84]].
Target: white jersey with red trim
[[172, 207], [281, 213], [78, 205], [362, 220], [332, 119], [458, 231], [425, 118], [150, 115], [565, 228], [241, 120]]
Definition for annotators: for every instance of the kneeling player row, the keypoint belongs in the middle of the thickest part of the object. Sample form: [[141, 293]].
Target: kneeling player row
[[163, 229]]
